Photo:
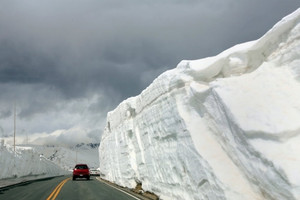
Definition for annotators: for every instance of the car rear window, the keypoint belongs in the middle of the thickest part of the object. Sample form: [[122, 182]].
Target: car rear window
[[81, 167]]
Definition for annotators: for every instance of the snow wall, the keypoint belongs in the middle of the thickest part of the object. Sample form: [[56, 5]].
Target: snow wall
[[25, 162], [223, 127]]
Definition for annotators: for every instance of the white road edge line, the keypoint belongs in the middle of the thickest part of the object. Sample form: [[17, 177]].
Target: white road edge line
[[118, 189]]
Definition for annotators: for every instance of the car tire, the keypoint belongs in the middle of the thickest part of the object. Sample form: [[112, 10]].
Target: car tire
[[74, 178], [88, 178]]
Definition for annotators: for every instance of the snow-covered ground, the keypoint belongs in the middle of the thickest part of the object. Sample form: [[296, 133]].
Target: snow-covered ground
[[66, 157], [224, 127], [25, 161]]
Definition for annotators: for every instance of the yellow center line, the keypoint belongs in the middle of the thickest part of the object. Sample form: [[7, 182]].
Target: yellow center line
[[57, 189]]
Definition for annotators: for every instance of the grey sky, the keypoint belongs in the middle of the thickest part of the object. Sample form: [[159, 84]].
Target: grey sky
[[67, 62]]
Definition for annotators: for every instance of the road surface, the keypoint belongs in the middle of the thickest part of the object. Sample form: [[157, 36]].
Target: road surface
[[63, 188]]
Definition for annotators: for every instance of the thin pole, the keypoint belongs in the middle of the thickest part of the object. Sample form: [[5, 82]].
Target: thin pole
[[14, 127]]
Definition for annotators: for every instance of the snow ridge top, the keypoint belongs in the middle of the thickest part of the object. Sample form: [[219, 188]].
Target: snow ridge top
[[246, 57]]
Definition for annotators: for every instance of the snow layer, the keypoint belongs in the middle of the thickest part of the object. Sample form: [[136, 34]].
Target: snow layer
[[224, 127], [25, 162]]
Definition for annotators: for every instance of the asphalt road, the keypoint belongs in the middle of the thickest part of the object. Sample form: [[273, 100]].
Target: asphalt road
[[63, 188]]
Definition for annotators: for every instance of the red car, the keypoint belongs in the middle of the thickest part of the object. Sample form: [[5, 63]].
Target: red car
[[81, 171]]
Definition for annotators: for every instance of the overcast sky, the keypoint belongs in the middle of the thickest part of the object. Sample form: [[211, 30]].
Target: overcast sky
[[66, 63]]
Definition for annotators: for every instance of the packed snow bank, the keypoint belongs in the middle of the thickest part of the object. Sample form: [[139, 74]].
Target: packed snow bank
[[25, 162], [224, 127]]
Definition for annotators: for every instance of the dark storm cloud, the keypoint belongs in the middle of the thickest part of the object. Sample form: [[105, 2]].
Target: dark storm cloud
[[54, 52]]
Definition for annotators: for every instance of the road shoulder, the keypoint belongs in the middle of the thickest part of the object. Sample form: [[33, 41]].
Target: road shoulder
[[131, 192]]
